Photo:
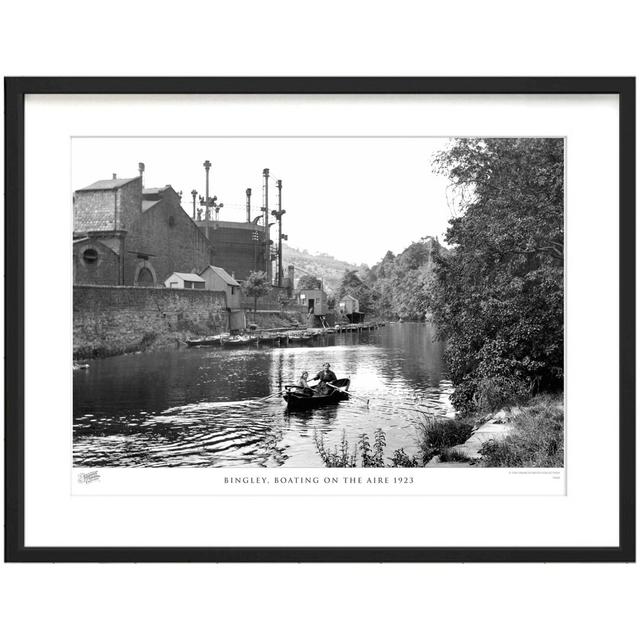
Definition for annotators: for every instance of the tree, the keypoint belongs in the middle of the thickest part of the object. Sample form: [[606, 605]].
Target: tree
[[256, 286], [351, 284], [401, 284], [498, 296], [309, 282]]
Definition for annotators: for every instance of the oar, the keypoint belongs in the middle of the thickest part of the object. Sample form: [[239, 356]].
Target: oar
[[349, 393]]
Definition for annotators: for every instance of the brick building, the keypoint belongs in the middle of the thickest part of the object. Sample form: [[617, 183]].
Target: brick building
[[127, 235], [238, 247]]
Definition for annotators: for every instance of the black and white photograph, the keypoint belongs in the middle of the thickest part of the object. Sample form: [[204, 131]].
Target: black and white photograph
[[314, 302]]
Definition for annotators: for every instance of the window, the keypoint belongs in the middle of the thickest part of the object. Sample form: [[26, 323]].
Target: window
[[90, 256]]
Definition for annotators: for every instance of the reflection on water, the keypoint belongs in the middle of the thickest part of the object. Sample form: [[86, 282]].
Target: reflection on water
[[216, 407]]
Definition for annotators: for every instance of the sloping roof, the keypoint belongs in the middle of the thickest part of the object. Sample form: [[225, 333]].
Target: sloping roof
[[187, 277], [154, 191], [224, 275], [350, 297], [108, 185], [147, 204], [86, 240]]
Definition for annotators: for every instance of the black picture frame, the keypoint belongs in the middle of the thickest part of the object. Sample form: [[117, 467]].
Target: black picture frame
[[15, 91]]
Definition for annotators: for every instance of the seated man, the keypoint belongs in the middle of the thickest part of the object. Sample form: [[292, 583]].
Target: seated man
[[325, 376]]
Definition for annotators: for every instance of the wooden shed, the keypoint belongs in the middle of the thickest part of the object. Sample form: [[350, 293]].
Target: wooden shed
[[184, 281]]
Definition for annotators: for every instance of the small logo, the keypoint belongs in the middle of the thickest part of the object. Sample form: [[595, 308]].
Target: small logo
[[88, 477]]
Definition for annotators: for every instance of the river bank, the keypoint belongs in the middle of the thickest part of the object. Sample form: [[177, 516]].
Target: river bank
[[93, 341], [526, 435]]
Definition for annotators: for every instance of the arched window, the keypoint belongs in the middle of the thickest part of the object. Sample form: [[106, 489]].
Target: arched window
[[145, 278], [90, 256]]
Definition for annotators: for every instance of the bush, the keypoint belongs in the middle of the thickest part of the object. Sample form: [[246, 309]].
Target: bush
[[453, 455], [401, 459], [537, 439], [495, 393], [148, 339], [437, 434], [338, 457]]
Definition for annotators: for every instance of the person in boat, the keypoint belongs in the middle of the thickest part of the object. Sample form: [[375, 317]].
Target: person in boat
[[305, 388], [326, 377]]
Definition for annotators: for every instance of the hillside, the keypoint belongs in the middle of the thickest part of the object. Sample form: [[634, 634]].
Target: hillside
[[320, 265]]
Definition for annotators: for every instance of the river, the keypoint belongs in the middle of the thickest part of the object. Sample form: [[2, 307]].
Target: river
[[203, 407]]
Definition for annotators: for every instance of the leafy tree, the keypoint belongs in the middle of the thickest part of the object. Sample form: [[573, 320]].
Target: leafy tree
[[352, 284], [309, 282], [256, 286], [401, 284], [498, 295]]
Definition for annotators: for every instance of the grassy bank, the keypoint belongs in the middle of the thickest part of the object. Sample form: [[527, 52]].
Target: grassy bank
[[535, 437]]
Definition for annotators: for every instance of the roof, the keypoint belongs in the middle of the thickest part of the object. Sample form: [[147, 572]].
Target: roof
[[147, 204], [350, 297], [108, 185], [79, 241], [154, 191], [187, 277], [224, 275], [227, 224]]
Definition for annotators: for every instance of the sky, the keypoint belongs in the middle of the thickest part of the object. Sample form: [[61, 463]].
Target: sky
[[353, 198]]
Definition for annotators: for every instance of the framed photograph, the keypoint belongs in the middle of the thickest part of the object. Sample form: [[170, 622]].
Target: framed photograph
[[320, 319]]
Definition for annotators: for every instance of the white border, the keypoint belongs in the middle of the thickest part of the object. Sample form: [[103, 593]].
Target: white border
[[590, 124]]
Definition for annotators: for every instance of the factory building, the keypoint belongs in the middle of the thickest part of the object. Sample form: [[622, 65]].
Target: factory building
[[239, 247], [243, 247], [127, 235]]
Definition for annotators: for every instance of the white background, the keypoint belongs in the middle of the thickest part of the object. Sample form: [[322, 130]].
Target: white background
[[548, 38], [54, 517]]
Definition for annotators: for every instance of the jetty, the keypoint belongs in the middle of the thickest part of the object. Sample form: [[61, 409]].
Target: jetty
[[281, 336]]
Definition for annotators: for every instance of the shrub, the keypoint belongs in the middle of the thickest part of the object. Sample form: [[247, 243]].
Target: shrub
[[537, 439], [372, 457], [148, 339], [437, 434], [453, 455], [401, 459], [338, 457], [494, 393]]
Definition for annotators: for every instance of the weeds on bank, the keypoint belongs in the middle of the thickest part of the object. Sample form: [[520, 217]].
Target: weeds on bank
[[453, 455], [437, 435], [537, 438], [371, 455], [339, 457]]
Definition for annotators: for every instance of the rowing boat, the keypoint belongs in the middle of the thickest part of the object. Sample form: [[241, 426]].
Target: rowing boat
[[209, 341], [299, 398], [239, 341]]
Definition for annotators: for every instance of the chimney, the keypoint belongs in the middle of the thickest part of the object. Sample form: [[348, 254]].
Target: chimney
[[115, 177], [141, 170], [248, 192]]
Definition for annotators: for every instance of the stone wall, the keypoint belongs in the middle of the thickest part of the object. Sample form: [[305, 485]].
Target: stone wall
[[112, 320]]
